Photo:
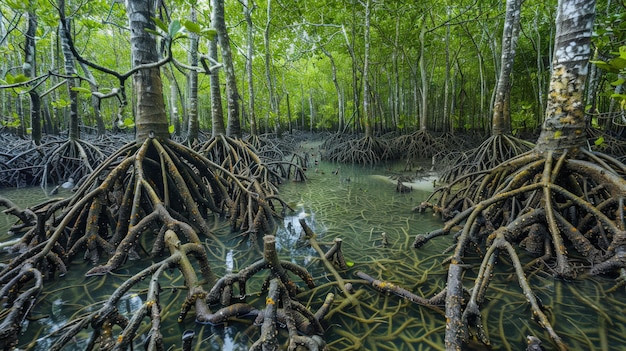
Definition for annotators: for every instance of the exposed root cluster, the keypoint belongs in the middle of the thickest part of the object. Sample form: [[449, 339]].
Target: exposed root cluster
[[559, 207], [490, 153], [53, 162], [417, 145], [604, 142], [367, 150], [125, 208], [72, 159], [113, 331]]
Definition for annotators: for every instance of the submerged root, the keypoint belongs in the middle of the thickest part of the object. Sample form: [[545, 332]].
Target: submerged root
[[549, 204]]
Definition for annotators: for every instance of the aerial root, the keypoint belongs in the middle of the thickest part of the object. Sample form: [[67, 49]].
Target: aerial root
[[268, 340], [19, 302], [144, 192], [103, 320], [491, 153], [73, 159], [547, 204], [417, 145], [224, 287], [367, 150]]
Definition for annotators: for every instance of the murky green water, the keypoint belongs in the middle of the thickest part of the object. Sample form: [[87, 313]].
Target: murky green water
[[357, 206]]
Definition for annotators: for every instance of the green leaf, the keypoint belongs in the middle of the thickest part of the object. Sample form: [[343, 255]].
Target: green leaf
[[82, 90], [349, 263], [20, 78], [151, 31], [605, 66], [618, 63], [192, 27], [557, 134], [209, 33], [171, 129], [9, 78], [174, 28], [587, 108], [160, 24], [622, 51], [618, 96], [594, 122], [599, 141], [128, 122], [618, 82]]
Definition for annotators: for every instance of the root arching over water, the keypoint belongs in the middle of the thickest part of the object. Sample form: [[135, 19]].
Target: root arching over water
[[490, 153], [124, 210], [367, 150], [556, 206]]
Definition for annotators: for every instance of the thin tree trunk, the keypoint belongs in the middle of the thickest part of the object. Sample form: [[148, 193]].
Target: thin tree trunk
[[232, 96], [337, 88], [95, 101], [396, 78], [268, 67], [366, 91], [192, 83], [173, 99], [311, 110], [70, 70], [248, 7], [540, 69], [356, 114], [150, 117], [501, 119], [217, 116], [446, 83], [30, 71], [424, 78]]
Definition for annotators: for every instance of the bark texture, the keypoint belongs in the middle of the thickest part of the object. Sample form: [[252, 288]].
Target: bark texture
[[149, 105], [217, 116], [192, 82], [564, 124], [501, 119], [232, 96], [366, 91], [248, 7], [70, 70], [30, 71]]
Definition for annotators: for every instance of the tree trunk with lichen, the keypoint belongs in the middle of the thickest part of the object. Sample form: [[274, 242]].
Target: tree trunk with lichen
[[564, 124], [149, 105], [561, 136]]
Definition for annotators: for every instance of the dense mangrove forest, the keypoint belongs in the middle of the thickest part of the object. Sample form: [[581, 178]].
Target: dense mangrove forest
[[381, 175]]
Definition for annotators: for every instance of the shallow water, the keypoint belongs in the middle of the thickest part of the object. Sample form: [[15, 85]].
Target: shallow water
[[357, 206]]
